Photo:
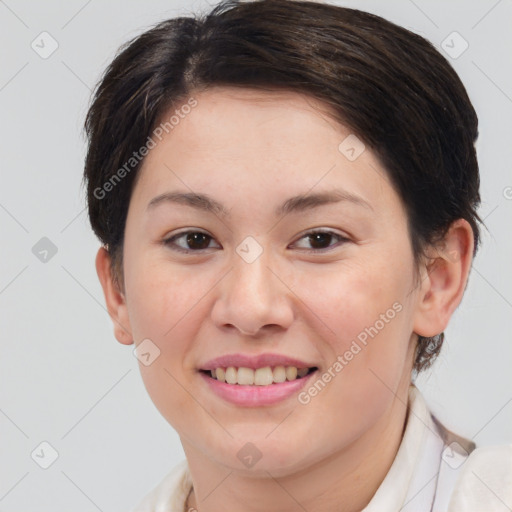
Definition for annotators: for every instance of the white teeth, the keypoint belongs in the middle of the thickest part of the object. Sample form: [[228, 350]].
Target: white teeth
[[260, 377], [263, 376], [231, 375], [245, 376], [291, 372], [279, 374]]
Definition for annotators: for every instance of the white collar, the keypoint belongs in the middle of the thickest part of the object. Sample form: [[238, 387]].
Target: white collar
[[426, 466], [404, 488]]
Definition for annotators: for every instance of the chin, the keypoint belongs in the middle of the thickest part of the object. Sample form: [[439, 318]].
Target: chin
[[262, 456]]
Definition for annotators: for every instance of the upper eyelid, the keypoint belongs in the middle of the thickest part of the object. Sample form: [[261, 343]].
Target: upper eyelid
[[342, 238], [167, 239], [300, 236]]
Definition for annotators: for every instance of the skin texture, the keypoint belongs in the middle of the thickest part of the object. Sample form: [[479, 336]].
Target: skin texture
[[251, 150]]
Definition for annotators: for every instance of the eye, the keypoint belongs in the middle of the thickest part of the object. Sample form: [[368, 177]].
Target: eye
[[320, 240], [194, 241]]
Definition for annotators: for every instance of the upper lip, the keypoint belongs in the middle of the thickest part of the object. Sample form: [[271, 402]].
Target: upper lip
[[253, 361]]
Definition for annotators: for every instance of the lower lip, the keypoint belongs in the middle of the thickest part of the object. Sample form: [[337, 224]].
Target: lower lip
[[256, 396]]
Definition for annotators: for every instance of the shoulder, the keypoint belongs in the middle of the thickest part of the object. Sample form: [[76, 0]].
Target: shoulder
[[170, 494], [485, 481]]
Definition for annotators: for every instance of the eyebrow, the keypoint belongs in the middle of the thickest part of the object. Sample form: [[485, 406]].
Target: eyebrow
[[295, 204]]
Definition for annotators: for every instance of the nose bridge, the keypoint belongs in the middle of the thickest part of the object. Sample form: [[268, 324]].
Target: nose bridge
[[252, 296], [252, 279]]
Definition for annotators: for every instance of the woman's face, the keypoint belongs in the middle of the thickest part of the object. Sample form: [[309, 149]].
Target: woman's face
[[254, 282]]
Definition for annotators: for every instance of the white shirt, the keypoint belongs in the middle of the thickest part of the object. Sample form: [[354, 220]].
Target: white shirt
[[434, 471]]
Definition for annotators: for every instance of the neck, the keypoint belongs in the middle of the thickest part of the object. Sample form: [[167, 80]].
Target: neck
[[345, 480]]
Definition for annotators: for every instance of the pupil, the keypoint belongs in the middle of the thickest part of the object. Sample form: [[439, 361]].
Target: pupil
[[319, 237], [194, 238]]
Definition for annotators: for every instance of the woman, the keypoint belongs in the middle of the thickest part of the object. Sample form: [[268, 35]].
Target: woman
[[287, 194]]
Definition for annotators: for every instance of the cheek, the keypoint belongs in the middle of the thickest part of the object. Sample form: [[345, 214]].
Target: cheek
[[160, 306], [163, 305], [363, 319], [352, 301], [366, 354], [160, 296]]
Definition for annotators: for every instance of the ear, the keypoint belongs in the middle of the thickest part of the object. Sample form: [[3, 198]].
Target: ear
[[444, 280], [115, 299]]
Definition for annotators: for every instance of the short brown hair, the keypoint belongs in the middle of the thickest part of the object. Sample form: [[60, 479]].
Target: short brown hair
[[394, 90]]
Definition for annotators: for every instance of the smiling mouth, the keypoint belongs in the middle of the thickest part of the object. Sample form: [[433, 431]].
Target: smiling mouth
[[265, 376]]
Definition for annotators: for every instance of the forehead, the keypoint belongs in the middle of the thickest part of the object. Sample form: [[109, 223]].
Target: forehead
[[255, 141], [235, 120], [264, 100]]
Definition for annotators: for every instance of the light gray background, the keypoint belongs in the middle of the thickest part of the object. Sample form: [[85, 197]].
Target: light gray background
[[64, 377]]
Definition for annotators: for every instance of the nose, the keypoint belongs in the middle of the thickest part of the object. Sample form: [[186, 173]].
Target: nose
[[253, 297]]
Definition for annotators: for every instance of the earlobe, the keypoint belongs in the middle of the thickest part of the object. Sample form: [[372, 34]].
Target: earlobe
[[114, 298], [444, 280]]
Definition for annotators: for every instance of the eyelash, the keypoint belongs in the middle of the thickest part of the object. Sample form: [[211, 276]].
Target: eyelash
[[169, 242]]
